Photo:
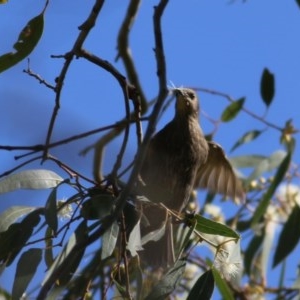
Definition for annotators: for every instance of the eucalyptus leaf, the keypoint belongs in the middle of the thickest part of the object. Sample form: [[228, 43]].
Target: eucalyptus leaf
[[13, 213], [232, 110], [30, 179], [66, 263], [26, 269], [51, 211], [222, 286], [109, 240], [97, 207], [246, 138], [267, 86], [16, 236], [267, 165], [252, 250], [27, 41], [168, 283], [289, 236], [207, 226], [134, 243], [203, 288], [262, 207]]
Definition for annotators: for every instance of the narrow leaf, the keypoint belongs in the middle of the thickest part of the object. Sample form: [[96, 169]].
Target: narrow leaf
[[26, 268], [97, 207], [30, 179], [207, 226], [51, 211], [222, 286], [134, 242], [246, 138], [267, 86], [13, 213], [267, 165], [246, 161], [203, 288], [48, 253], [289, 236], [109, 240], [251, 251], [168, 283], [16, 236], [66, 263], [232, 110], [262, 207], [27, 41]]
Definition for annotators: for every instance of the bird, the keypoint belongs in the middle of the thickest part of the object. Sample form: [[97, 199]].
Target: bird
[[178, 160]]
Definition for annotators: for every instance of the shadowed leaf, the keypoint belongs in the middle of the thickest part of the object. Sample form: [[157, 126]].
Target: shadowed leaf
[[16, 236], [262, 207], [289, 236], [267, 86], [26, 269], [253, 247], [51, 211], [222, 286], [27, 41], [203, 288], [168, 283], [97, 207], [66, 263], [13, 213]]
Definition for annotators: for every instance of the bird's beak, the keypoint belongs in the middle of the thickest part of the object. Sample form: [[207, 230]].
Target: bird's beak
[[178, 92]]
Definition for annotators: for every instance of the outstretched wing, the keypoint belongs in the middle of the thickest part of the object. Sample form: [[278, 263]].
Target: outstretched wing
[[217, 175]]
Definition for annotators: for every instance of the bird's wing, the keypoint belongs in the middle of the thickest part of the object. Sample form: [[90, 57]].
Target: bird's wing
[[217, 175]]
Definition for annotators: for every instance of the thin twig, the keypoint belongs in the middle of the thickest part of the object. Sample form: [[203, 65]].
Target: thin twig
[[231, 100], [37, 77], [124, 51], [84, 31]]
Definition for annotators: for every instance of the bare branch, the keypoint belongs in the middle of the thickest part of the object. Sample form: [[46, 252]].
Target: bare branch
[[84, 31]]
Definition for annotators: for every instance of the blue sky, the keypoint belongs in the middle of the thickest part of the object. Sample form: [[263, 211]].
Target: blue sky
[[218, 45]]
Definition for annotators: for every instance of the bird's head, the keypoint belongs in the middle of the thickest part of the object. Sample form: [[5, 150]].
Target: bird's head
[[186, 102]]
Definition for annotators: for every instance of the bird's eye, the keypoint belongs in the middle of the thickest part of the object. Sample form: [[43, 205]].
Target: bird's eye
[[191, 95]]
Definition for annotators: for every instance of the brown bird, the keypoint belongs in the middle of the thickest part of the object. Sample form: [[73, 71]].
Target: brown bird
[[179, 159]]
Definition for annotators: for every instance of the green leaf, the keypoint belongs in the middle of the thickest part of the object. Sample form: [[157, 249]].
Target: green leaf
[[27, 40], [246, 138], [16, 236], [279, 176], [232, 110], [267, 86], [97, 207], [298, 2], [222, 286], [267, 165], [109, 240], [66, 263], [253, 247], [48, 253], [26, 268], [13, 213], [289, 236], [30, 179], [246, 161], [168, 283], [207, 226], [203, 288], [51, 211]]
